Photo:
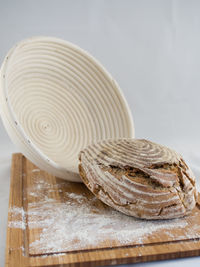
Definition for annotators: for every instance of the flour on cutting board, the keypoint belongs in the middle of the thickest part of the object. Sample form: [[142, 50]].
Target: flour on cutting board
[[36, 170], [18, 218], [78, 223]]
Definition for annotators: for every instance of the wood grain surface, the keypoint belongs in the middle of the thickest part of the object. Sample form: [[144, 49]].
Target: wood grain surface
[[24, 175]]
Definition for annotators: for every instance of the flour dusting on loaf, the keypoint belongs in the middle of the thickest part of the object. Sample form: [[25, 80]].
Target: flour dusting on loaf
[[139, 178]]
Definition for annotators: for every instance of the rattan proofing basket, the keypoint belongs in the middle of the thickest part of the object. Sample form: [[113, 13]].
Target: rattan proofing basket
[[55, 100]]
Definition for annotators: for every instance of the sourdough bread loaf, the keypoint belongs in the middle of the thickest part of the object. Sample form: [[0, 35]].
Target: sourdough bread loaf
[[139, 178]]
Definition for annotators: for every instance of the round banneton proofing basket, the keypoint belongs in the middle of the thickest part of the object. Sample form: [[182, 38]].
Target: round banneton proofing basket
[[55, 100]]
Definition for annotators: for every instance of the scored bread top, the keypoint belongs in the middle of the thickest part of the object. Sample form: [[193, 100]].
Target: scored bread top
[[139, 178]]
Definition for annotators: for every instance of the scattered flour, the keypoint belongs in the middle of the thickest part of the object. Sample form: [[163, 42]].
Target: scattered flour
[[36, 170], [77, 223], [17, 218]]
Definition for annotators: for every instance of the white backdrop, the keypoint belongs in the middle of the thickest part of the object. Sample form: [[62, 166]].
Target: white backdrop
[[151, 47]]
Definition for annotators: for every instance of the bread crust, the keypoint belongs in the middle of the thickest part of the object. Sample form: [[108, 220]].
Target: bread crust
[[139, 178]]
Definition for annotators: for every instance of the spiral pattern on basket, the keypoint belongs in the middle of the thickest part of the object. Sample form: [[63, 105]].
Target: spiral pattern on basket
[[64, 100]]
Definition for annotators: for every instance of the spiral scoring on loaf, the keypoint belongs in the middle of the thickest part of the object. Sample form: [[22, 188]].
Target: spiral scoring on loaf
[[63, 100], [139, 178], [128, 151]]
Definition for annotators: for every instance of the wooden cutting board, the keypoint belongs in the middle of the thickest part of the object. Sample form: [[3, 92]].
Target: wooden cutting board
[[52, 222]]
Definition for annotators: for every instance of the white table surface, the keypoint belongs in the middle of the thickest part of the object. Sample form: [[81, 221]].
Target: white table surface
[[151, 47]]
